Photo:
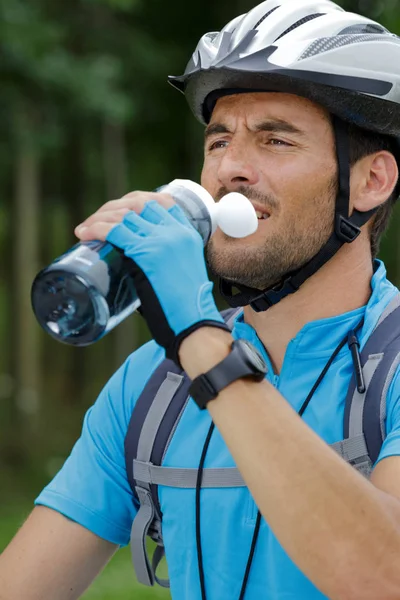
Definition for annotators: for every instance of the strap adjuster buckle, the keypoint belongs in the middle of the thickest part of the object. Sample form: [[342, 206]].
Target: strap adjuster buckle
[[346, 230], [261, 303]]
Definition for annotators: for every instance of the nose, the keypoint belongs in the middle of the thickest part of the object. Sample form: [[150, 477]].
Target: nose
[[236, 167]]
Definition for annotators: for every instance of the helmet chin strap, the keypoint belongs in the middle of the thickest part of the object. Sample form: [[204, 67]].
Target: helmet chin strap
[[346, 230]]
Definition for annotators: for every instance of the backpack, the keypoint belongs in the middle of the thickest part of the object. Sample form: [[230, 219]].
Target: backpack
[[163, 400]]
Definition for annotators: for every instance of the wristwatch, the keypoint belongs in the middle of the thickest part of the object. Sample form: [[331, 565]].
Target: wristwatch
[[244, 360]]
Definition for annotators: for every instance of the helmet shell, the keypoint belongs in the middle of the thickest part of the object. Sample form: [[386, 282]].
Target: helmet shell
[[347, 63]]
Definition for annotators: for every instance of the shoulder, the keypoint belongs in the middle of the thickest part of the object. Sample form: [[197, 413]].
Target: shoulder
[[126, 385], [92, 487]]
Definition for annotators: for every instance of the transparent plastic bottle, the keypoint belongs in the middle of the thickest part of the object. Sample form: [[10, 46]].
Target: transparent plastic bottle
[[89, 290]]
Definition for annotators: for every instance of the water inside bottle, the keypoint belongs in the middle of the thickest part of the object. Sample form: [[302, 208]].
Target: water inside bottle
[[69, 308]]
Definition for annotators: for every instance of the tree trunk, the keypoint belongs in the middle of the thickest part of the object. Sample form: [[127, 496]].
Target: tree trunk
[[125, 336], [25, 330]]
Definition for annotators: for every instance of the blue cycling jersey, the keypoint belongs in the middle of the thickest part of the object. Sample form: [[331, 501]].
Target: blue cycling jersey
[[93, 490]]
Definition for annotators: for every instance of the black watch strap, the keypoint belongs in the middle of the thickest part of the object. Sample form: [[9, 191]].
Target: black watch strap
[[242, 361]]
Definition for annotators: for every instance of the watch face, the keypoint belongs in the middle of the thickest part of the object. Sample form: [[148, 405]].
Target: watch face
[[253, 356]]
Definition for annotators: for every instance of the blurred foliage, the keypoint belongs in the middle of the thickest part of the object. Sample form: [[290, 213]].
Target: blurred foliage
[[87, 116]]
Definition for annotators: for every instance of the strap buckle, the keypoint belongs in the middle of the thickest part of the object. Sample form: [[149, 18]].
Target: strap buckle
[[271, 297], [346, 230]]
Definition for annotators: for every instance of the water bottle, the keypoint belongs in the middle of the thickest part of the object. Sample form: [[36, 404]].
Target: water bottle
[[89, 290]]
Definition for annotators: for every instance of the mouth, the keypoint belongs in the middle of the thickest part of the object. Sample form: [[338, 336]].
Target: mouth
[[262, 215]]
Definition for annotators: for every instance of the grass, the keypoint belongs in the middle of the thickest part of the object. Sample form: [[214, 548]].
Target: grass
[[116, 582]]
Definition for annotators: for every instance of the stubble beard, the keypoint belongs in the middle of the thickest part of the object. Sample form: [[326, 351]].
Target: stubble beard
[[265, 266]]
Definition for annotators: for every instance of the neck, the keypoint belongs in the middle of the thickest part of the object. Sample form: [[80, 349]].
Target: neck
[[340, 286]]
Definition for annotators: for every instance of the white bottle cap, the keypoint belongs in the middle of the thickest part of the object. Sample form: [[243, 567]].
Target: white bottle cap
[[236, 215]]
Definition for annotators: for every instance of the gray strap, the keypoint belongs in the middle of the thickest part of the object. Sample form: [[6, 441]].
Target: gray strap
[[154, 417], [158, 555], [140, 527], [393, 368], [172, 432], [358, 401], [391, 307], [354, 450], [232, 318], [186, 478], [147, 516], [351, 450]]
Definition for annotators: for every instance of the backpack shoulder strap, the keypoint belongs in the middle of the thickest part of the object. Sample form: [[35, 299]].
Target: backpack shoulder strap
[[163, 385], [230, 314], [154, 417], [153, 422], [145, 437], [365, 413]]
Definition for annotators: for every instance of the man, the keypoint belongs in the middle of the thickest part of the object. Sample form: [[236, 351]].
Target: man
[[267, 88]]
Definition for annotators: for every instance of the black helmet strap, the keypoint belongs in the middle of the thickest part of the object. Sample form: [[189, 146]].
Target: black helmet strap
[[346, 230]]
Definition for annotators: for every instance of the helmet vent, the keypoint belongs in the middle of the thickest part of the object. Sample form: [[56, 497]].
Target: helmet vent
[[211, 36], [330, 43], [265, 16], [363, 28], [298, 24]]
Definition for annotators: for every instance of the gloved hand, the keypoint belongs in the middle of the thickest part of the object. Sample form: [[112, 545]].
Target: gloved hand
[[170, 274]]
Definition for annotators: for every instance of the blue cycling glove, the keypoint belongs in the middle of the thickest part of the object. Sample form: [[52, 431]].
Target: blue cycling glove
[[170, 274]]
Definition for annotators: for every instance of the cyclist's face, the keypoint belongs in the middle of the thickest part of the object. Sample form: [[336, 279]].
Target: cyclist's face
[[279, 150]]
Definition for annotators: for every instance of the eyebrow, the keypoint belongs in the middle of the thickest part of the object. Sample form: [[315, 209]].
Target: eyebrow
[[271, 125]]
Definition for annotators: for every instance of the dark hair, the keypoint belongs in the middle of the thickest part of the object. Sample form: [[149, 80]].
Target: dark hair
[[364, 143]]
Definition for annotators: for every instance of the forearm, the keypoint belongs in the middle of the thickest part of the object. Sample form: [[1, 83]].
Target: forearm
[[51, 557], [337, 527]]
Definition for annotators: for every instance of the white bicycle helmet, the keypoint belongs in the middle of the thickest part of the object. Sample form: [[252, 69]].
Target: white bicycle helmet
[[312, 48]]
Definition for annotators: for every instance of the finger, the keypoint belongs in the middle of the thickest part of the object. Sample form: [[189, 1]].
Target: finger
[[177, 213], [137, 224], [154, 213], [122, 236], [165, 200], [105, 216], [98, 225], [98, 231], [136, 201]]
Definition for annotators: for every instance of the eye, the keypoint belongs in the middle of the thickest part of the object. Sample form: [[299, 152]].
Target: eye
[[277, 142], [217, 144]]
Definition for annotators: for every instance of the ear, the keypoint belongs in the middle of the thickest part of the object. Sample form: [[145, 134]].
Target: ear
[[373, 179]]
